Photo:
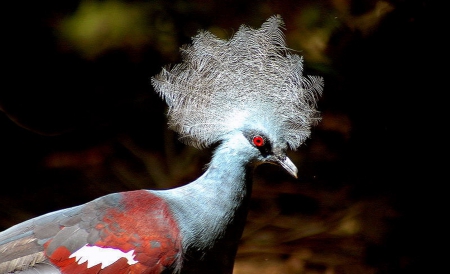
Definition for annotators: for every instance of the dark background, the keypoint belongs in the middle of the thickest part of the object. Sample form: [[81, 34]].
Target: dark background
[[80, 119]]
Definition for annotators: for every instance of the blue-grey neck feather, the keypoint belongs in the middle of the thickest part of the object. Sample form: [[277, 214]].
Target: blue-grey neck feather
[[208, 206]]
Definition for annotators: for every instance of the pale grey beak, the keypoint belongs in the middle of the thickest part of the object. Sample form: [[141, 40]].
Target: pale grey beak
[[286, 163]]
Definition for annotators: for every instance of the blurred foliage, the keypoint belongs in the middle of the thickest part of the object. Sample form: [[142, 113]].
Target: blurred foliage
[[97, 27]]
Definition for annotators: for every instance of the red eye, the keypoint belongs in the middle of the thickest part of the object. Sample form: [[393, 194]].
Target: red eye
[[258, 141]]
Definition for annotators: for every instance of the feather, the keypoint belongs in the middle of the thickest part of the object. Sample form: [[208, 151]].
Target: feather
[[14, 261], [251, 79]]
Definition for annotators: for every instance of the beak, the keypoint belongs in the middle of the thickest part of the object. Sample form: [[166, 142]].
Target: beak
[[286, 163]]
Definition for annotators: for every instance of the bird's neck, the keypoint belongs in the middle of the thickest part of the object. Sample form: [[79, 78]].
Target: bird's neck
[[212, 209]]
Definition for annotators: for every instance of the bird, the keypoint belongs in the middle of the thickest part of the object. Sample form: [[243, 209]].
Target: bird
[[247, 98]]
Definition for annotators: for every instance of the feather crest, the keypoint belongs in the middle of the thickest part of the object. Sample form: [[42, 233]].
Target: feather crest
[[251, 79]]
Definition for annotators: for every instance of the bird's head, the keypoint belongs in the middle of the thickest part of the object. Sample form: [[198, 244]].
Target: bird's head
[[251, 84], [267, 149]]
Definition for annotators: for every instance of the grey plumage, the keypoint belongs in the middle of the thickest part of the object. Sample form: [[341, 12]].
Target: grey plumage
[[253, 79]]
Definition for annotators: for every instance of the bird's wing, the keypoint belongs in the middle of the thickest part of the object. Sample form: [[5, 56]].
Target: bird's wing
[[21, 246], [128, 232]]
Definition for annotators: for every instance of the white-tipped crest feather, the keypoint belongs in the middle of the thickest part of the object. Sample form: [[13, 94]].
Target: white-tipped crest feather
[[251, 79]]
